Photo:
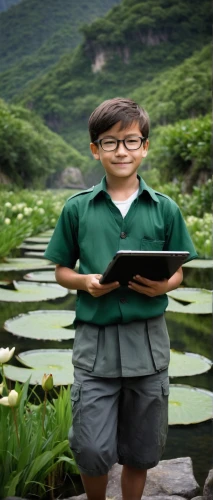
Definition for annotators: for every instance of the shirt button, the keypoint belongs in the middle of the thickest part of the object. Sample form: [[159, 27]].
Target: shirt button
[[123, 235], [123, 300]]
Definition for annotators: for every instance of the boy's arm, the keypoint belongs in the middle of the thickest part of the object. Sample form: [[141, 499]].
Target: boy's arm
[[87, 282], [154, 288]]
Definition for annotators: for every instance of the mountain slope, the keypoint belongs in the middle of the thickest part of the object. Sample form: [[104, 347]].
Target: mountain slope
[[6, 4], [30, 24]]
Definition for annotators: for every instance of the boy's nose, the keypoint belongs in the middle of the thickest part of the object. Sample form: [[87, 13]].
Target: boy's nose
[[121, 149]]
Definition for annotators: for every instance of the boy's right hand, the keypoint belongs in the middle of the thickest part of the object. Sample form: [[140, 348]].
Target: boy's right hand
[[95, 288]]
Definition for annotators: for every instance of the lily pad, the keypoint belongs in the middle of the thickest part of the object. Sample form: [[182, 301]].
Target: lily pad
[[32, 292], [189, 405], [37, 239], [38, 255], [199, 264], [43, 276], [50, 358], [33, 246], [23, 264], [199, 301], [44, 325], [183, 364], [61, 376]]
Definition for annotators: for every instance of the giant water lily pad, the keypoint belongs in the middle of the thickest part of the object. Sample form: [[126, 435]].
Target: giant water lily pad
[[199, 264], [44, 325], [32, 292], [34, 247], [183, 364], [37, 255], [189, 405], [198, 301], [37, 239], [41, 276], [50, 358], [25, 264], [61, 376]]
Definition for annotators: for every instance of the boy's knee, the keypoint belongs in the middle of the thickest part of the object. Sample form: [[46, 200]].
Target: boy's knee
[[92, 460]]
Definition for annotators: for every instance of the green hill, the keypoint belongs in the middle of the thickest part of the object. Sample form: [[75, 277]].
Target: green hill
[[29, 152], [6, 4], [44, 30]]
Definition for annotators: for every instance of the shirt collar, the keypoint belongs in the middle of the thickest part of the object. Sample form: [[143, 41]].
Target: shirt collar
[[101, 187]]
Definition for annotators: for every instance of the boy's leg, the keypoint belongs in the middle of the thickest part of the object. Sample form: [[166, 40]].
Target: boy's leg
[[93, 435], [142, 428], [132, 482], [95, 487]]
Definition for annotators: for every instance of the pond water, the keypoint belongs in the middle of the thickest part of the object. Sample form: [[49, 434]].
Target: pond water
[[190, 333]]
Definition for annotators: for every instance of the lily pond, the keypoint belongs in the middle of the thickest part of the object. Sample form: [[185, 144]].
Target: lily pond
[[36, 317]]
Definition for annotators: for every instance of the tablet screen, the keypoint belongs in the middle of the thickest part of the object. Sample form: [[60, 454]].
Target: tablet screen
[[155, 266]]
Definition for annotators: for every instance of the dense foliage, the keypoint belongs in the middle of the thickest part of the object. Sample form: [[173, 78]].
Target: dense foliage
[[43, 31], [6, 4], [29, 151], [182, 151]]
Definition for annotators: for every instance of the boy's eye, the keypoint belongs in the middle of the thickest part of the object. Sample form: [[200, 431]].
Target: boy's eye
[[132, 141], [109, 141]]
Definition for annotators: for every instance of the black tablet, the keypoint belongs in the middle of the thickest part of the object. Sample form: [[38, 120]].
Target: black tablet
[[152, 265]]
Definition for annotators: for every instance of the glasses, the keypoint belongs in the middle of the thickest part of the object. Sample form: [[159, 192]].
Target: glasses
[[130, 143]]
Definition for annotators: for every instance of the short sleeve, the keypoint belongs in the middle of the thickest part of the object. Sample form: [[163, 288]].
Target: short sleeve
[[178, 237], [63, 247]]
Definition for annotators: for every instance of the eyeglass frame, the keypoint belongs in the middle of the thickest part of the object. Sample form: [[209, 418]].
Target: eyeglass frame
[[99, 141]]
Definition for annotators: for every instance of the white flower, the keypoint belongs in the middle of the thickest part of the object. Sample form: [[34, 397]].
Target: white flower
[[7, 221], [8, 204], [1, 388], [27, 210], [41, 211], [20, 216], [10, 400], [39, 202], [6, 354]]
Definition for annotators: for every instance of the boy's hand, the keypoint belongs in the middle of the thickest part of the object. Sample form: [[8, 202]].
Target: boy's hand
[[149, 287], [95, 288]]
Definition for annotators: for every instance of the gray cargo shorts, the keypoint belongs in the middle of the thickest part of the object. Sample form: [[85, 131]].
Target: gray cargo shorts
[[122, 420]]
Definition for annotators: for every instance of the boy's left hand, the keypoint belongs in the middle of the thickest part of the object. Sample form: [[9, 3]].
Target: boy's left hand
[[149, 287]]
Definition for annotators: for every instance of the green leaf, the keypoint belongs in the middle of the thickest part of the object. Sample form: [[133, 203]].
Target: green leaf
[[51, 358], [32, 292], [183, 364], [44, 325], [61, 376], [201, 301], [199, 264], [42, 461], [10, 489], [189, 405], [43, 276], [33, 246], [25, 264]]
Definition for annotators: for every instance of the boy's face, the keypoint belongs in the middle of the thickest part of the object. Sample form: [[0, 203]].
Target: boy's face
[[121, 162]]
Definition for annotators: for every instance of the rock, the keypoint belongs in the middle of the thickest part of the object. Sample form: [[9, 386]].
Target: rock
[[208, 486], [169, 480], [70, 177]]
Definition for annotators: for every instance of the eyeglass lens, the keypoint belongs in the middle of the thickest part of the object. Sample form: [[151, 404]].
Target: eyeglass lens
[[109, 144]]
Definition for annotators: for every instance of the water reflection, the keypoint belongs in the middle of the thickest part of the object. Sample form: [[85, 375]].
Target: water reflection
[[189, 333]]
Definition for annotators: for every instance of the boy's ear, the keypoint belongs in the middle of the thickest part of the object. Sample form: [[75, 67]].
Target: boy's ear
[[95, 151], [145, 148]]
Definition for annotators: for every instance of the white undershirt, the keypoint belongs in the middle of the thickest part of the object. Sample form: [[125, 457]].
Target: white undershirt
[[124, 206]]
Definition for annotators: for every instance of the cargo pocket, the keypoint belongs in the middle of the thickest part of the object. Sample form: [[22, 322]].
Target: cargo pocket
[[164, 414], [75, 431]]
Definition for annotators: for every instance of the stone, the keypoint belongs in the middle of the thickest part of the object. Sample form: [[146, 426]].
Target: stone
[[169, 480], [70, 177], [208, 486]]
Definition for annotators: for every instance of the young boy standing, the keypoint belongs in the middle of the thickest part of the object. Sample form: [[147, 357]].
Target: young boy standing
[[121, 348]]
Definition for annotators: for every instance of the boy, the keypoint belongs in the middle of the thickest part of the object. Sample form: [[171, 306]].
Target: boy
[[121, 348]]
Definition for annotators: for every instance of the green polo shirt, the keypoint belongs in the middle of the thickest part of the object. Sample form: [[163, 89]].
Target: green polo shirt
[[92, 229]]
